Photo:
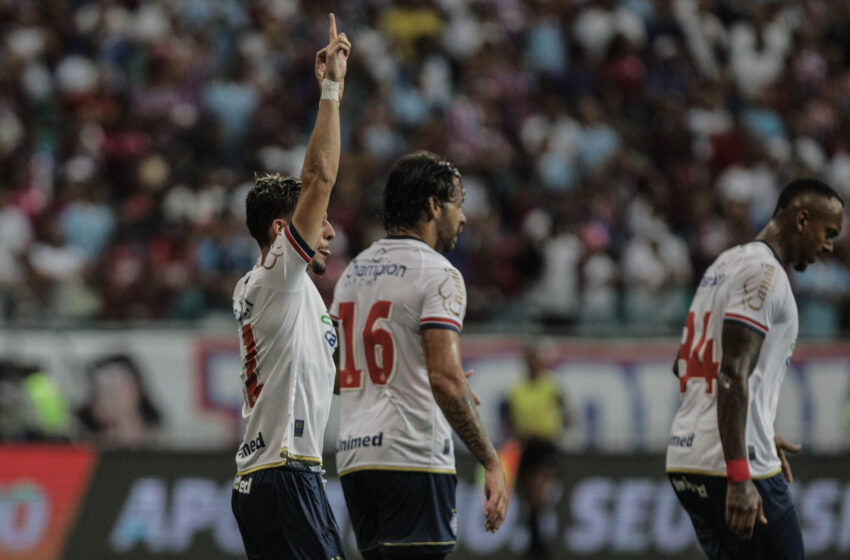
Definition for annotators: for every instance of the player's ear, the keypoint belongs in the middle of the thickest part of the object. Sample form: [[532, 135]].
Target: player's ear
[[433, 207], [802, 219], [277, 227]]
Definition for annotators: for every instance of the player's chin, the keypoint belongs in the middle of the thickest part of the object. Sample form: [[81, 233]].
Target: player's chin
[[318, 265]]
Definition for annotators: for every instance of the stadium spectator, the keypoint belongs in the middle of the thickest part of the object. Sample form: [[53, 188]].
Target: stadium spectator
[[133, 120]]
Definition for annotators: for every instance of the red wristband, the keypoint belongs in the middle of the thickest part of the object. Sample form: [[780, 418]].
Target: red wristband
[[737, 470]]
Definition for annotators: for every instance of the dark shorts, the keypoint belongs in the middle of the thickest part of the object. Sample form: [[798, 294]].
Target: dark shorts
[[407, 513], [284, 513], [704, 498]]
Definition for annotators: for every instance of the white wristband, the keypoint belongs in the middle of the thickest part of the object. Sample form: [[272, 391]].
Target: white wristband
[[330, 90]]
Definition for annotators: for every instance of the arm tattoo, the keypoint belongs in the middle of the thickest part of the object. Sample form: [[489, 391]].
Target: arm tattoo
[[463, 417], [741, 348]]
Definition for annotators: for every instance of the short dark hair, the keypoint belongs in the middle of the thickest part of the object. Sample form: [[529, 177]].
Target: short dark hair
[[805, 185], [273, 196], [413, 179]]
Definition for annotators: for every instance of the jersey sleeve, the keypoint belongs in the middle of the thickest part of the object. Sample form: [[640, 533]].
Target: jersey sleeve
[[287, 260], [753, 296], [444, 299]]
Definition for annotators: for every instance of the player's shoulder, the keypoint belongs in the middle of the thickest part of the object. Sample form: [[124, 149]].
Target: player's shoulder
[[242, 283], [752, 255], [759, 256]]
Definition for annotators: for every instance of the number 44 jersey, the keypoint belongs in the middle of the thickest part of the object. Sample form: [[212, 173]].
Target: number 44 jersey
[[746, 285], [384, 300]]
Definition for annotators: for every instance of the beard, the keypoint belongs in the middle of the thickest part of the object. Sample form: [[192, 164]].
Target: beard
[[317, 267], [446, 240]]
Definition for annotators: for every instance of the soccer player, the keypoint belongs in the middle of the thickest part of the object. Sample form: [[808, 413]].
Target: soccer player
[[287, 344], [726, 465], [399, 307]]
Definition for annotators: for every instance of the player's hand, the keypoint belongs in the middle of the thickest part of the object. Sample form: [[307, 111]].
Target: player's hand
[[743, 507], [332, 61], [496, 492], [476, 398], [783, 447]]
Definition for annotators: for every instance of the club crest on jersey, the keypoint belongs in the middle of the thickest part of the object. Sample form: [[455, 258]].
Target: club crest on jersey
[[452, 292]]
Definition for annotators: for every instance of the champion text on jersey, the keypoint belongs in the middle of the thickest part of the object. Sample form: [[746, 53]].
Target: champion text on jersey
[[712, 280], [367, 273]]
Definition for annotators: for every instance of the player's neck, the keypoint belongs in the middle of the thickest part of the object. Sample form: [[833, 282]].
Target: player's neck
[[771, 237], [424, 233]]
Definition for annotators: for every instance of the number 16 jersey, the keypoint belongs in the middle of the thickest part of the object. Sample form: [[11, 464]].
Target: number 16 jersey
[[746, 285], [384, 299]]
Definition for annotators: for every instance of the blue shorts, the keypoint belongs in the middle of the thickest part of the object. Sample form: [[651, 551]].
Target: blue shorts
[[284, 513], [402, 512], [704, 498]]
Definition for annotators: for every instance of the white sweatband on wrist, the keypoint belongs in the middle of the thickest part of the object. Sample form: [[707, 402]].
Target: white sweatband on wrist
[[330, 90]]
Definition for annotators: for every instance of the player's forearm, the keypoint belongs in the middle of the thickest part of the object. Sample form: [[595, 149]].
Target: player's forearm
[[459, 408], [741, 348], [732, 398], [321, 162]]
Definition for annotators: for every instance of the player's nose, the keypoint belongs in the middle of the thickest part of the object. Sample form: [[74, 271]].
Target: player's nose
[[829, 246]]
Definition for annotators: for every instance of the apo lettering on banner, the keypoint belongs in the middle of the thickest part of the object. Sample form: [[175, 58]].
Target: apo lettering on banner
[[153, 503], [160, 517], [40, 491]]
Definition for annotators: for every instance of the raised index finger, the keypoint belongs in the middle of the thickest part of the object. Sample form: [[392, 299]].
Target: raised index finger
[[332, 28]]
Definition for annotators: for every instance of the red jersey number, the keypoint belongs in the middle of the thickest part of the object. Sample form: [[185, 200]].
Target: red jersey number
[[378, 346], [252, 385], [698, 360]]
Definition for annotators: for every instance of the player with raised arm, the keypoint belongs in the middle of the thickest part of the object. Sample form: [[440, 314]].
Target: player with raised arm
[[287, 345], [399, 307], [727, 466]]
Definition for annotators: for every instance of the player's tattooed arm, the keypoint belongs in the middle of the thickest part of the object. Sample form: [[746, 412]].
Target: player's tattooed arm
[[463, 416], [452, 393], [741, 348], [458, 403]]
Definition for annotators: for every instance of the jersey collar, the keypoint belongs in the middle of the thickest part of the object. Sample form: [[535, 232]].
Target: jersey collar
[[397, 236], [771, 250]]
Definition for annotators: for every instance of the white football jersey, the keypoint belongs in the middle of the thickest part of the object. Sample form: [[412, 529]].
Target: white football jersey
[[749, 286], [287, 342], [383, 301]]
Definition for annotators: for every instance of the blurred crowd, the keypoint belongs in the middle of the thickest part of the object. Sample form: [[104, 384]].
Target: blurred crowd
[[610, 148]]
